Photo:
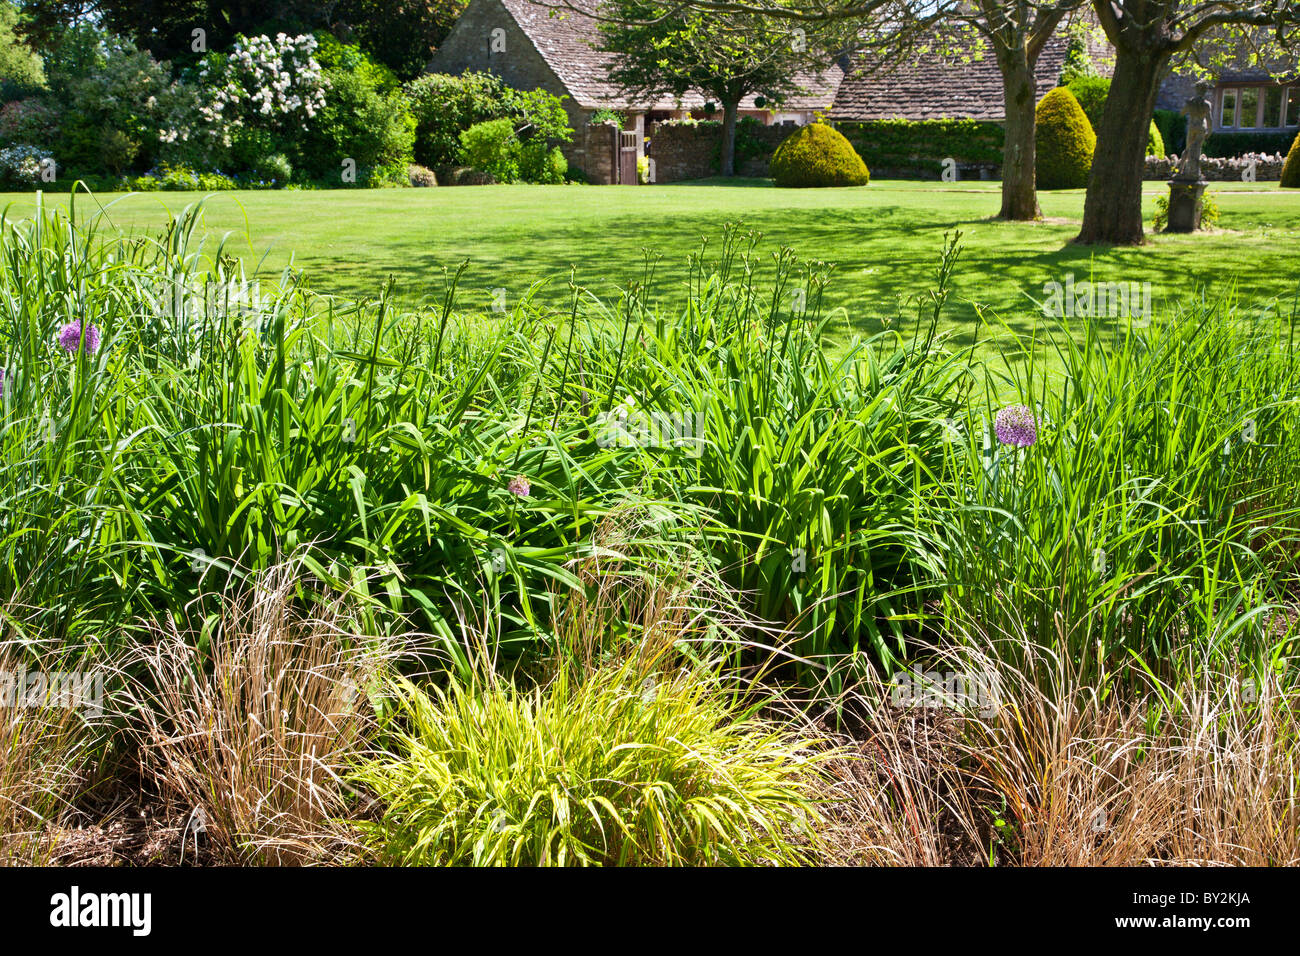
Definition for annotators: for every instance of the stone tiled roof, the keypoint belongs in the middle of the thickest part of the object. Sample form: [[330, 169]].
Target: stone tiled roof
[[569, 41], [1257, 76], [938, 87]]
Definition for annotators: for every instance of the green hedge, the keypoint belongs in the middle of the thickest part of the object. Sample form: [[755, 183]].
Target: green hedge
[[374, 129], [446, 106], [1260, 141], [1173, 126], [1173, 129], [923, 144]]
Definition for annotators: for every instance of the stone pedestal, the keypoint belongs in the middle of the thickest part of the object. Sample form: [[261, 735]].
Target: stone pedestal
[[1185, 205]]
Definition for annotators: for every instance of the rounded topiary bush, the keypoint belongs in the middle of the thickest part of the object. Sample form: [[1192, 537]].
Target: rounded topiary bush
[[816, 155], [1291, 168], [1064, 142]]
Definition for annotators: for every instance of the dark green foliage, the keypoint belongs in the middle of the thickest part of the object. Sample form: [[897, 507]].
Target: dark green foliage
[[105, 89], [372, 128], [32, 121], [21, 72], [748, 144], [445, 106], [166, 27], [249, 146], [1091, 92], [401, 34], [1173, 130], [1231, 144]]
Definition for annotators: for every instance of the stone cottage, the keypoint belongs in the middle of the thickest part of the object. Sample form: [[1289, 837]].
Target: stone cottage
[[532, 46], [1243, 101]]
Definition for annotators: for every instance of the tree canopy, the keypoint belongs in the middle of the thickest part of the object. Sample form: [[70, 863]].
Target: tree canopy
[[660, 49], [401, 34]]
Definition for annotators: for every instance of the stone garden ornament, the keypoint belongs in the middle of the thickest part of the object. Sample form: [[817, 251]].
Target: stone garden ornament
[[1188, 184], [1197, 110]]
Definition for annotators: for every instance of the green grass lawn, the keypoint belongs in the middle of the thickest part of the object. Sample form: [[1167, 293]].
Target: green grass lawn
[[883, 238]]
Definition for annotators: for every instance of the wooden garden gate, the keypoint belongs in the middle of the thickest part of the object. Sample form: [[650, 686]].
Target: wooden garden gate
[[627, 158]]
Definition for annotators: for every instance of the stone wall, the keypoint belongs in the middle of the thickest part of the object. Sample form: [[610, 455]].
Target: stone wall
[[693, 152], [594, 150], [1268, 169]]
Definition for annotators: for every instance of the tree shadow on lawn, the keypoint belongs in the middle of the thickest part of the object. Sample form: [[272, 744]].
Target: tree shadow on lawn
[[611, 254], [881, 253]]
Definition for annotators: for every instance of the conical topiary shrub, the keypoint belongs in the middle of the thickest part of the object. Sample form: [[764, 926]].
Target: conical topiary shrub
[[816, 155], [1291, 168], [1155, 142], [1064, 142]]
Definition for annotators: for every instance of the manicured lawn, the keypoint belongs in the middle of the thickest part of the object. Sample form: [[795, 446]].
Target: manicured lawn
[[884, 240]]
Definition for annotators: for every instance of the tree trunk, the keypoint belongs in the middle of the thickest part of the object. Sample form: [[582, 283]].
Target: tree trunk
[[1112, 211], [1019, 188], [729, 111]]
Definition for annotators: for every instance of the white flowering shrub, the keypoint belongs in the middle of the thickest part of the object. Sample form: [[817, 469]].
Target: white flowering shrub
[[274, 85], [251, 103], [261, 113], [21, 165]]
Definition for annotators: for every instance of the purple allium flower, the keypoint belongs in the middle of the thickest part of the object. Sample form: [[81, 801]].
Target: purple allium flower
[[70, 338], [1016, 425], [519, 486]]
